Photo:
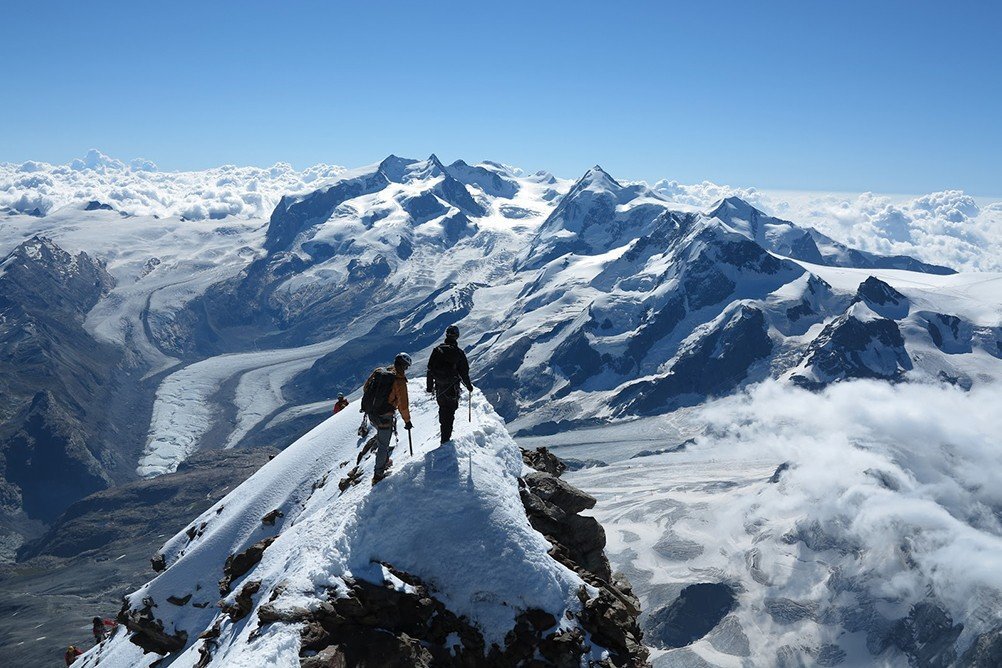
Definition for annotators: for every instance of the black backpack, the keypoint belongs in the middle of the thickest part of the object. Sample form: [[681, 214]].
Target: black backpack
[[376, 394], [442, 364]]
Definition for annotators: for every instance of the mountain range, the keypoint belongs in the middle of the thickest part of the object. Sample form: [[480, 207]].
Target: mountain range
[[128, 343]]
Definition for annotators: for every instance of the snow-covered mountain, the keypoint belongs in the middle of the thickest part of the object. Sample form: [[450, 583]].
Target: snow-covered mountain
[[441, 564], [588, 303], [579, 302]]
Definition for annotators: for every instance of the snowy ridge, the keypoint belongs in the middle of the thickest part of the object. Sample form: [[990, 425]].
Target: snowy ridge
[[450, 515]]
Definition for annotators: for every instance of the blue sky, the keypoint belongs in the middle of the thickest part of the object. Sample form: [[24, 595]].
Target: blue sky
[[884, 96]]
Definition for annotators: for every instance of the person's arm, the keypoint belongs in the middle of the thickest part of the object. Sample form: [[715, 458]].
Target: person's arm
[[431, 378], [403, 403], [464, 370]]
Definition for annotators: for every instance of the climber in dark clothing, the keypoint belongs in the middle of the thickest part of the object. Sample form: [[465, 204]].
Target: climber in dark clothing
[[447, 368], [102, 628]]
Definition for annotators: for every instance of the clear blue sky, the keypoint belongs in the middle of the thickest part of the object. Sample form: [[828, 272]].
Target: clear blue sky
[[884, 96]]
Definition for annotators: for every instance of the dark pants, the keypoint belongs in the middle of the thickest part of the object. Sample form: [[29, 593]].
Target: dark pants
[[384, 432], [448, 404]]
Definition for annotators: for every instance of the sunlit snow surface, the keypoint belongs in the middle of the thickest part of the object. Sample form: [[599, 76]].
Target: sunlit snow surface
[[891, 498], [450, 515]]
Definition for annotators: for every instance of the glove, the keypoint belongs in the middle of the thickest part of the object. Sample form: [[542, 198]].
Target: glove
[[408, 426], [469, 388], [431, 390]]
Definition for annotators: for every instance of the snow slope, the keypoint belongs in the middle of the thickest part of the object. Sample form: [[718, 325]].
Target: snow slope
[[450, 515]]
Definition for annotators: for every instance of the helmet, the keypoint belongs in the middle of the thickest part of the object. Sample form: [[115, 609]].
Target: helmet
[[402, 360], [97, 620], [340, 395], [452, 332]]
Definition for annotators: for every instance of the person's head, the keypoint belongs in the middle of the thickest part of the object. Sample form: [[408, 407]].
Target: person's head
[[402, 361], [97, 621], [340, 396], [451, 333]]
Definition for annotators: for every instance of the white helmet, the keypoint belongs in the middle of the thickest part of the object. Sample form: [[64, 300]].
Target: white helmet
[[402, 360]]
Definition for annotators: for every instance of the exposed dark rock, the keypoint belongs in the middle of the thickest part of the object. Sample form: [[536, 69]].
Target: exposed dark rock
[[148, 631], [382, 626], [579, 464], [239, 564], [875, 293], [927, 636], [849, 347], [717, 362], [697, 610], [179, 600], [242, 602], [675, 548], [543, 460], [778, 473], [788, 611], [729, 638], [270, 518], [581, 538], [561, 494], [829, 655], [353, 478], [818, 538], [678, 447], [985, 651]]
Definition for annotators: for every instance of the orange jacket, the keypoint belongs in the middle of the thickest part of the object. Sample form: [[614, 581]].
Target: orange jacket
[[398, 396]]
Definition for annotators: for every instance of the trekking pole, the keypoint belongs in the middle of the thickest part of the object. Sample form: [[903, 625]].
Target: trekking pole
[[469, 406], [410, 442]]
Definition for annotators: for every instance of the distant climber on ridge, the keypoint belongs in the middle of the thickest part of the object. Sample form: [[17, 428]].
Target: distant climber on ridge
[[385, 393], [340, 404], [102, 628], [447, 368], [71, 655]]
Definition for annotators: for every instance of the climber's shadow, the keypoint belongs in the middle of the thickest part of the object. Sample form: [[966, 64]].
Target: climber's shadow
[[441, 465]]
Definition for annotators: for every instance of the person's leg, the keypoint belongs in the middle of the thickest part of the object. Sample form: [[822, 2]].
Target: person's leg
[[384, 432], [447, 406]]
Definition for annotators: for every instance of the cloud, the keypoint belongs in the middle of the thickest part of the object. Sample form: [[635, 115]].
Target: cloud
[[947, 227], [901, 479], [140, 188]]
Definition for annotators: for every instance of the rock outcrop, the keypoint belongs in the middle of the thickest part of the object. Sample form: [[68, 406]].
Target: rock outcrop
[[553, 506]]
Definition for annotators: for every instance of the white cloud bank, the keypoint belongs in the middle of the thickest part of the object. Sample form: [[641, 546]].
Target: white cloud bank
[[900, 480], [138, 188], [947, 227]]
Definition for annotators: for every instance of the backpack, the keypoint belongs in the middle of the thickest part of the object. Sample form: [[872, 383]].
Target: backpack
[[376, 395], [442, 364]]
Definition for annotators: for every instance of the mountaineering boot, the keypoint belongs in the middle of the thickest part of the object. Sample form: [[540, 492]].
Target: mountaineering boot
[[379, 475]]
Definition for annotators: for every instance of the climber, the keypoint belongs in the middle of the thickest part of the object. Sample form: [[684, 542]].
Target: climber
[[447, 368], [71, 655], [102, 628], [385, 393], [341, 403]]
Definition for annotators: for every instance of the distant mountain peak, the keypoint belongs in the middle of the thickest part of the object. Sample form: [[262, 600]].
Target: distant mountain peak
[[599, 177], [734, 207]]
